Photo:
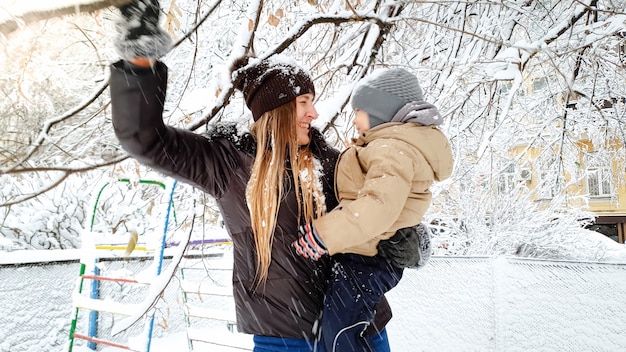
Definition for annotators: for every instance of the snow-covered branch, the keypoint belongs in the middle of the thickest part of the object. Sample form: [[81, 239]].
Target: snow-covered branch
[[517, 82], [39, 12]]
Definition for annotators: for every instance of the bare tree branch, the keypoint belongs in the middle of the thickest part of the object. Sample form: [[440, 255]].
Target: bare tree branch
[[43, 134]]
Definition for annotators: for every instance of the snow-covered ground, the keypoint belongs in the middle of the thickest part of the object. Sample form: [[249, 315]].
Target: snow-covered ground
[[453, 304]]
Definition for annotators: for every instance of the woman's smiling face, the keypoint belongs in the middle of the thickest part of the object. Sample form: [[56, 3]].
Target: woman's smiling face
[[305, 114]]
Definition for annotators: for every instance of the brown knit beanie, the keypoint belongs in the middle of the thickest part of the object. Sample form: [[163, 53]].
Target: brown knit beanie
[[270, 83]]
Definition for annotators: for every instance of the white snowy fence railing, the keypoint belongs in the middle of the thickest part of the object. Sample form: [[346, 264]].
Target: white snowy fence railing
[[506, 304], [453, 304]]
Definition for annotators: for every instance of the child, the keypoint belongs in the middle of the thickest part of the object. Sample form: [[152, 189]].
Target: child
[[383, 183]]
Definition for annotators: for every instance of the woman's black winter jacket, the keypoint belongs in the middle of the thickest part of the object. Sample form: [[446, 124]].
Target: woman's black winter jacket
[[290, 301]]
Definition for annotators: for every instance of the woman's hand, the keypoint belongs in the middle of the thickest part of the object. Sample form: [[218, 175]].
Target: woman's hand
[[140, 40], [310, 244]]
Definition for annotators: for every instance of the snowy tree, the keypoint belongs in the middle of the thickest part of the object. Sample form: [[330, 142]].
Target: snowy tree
[[534, 77]]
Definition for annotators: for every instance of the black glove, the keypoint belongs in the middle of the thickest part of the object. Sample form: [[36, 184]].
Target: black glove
[[139, 33], [409, 247], [310, 244]]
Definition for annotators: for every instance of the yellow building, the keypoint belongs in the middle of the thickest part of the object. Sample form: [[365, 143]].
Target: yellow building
[[605, 185], [597, 183], [601, 184]]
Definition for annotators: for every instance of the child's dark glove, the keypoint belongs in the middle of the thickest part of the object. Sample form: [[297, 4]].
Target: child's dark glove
[[310, 244], [139, 33], [409, 247]]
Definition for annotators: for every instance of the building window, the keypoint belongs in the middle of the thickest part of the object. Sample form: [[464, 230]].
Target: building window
[[549, 178], [547, 188], [506, 180], [599, 182], [599, 178], [505, 87], [539, 84]]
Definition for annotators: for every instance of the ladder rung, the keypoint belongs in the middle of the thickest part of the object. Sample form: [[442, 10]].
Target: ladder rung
[[121, 247], [215, 314], [102, 342], [206, 241], [222, 338], [105, 306], [205, 269], [207, 288], [115, 279]]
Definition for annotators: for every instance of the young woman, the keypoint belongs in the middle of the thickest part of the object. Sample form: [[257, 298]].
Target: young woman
[[261, 179], [383, 182]]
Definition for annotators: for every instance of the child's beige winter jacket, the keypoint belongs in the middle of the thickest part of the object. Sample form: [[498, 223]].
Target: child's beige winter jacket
[[383, 185]]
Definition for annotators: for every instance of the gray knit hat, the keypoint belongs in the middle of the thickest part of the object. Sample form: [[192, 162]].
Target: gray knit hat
[[384, 92]]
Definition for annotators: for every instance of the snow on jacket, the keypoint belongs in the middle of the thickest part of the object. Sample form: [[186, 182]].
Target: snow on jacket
[[219, 164], [383, 183]]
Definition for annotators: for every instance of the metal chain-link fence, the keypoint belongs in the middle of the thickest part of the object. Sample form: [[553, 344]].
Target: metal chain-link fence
[[507, 304], [452, 304]]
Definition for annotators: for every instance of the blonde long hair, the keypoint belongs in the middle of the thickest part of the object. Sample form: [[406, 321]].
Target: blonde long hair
[[276, 138]]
